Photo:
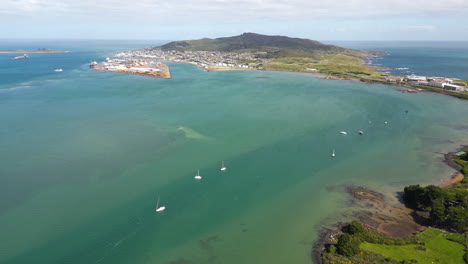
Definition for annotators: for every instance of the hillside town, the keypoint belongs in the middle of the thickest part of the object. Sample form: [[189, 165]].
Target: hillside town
[[209, 60]]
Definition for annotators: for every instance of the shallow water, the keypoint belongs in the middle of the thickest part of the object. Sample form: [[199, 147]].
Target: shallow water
[[86, 154]]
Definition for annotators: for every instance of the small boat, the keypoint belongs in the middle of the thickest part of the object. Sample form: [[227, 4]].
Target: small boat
[[93, 64], [159, 208], [58, 70], [370, 122], [198, 177], [333, 153], [406, 111], [25, 56], [360, 132], [223, 168], [343, 133], [386, 122]]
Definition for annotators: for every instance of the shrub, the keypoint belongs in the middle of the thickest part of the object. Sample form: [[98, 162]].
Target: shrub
[[355, 227], [348, 245], [332, 249]]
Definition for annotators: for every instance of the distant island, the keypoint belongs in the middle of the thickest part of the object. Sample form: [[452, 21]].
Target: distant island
[[251, 51], [41, 50]]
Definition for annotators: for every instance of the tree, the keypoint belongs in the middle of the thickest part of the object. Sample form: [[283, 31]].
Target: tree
[[355, 227], [348, 245]]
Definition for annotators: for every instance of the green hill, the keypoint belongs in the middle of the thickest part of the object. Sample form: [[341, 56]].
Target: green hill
[[275, 46]]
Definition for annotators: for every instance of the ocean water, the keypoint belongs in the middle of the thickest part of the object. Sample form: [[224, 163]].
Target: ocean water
[[86, 154], [427, 58]]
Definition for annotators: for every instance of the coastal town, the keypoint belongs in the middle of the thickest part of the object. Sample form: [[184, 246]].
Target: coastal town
[[209, 60], [148, 62]]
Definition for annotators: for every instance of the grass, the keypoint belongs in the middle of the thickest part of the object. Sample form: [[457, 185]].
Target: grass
[[461, 82], [435, 248], [335, 64], [463, 162]]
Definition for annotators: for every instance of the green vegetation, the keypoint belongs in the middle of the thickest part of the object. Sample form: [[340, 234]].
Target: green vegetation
[[336, 64], [280, 53], [433, 246], [287, 54], [461, 82], [359, 245], [274, 46], [448, 207], [463, 161]]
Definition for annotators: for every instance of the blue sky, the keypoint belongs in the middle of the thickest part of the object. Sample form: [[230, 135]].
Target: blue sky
[[186, 19]]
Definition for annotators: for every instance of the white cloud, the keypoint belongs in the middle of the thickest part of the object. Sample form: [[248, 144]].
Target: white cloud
[[422, 28], [232, 10]]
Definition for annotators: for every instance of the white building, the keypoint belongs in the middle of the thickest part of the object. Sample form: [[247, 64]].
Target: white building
[[453, 87]]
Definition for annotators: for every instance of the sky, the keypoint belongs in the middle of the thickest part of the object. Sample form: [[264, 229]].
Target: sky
[[190, 19]]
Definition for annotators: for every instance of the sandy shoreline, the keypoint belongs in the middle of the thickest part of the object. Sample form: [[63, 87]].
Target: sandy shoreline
[[457, 178]]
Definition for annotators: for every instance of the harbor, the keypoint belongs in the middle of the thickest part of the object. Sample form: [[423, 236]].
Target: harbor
[[134, 66]]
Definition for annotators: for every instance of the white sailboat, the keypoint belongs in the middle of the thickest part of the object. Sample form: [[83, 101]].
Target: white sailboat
[[58, 70], [343, 133], [360, 132], [159, 208], [223, 168], [198, 177], [333, 153], [386, 122]]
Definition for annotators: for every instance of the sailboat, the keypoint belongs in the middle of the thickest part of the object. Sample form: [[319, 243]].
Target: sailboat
[[158, 208], [198, 177], [360, 132], [223, 168], [343, 133], [333, 154]]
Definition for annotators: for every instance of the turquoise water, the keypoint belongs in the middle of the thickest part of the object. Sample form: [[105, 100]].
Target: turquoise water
[[85, 155]]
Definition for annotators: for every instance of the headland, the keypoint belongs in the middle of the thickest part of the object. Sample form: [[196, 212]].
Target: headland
[[251, 51], [402, 230]]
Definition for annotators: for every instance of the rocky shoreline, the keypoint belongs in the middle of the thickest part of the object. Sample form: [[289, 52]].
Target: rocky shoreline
[[380, 215]]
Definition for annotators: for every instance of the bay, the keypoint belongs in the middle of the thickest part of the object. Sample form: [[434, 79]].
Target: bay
[[86, 154]]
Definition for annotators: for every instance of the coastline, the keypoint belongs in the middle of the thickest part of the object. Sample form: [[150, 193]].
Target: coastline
[[34, 51], [393, 220], [403, 87]]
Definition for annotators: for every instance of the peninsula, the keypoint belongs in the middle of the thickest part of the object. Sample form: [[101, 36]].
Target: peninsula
[[251, 51]]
